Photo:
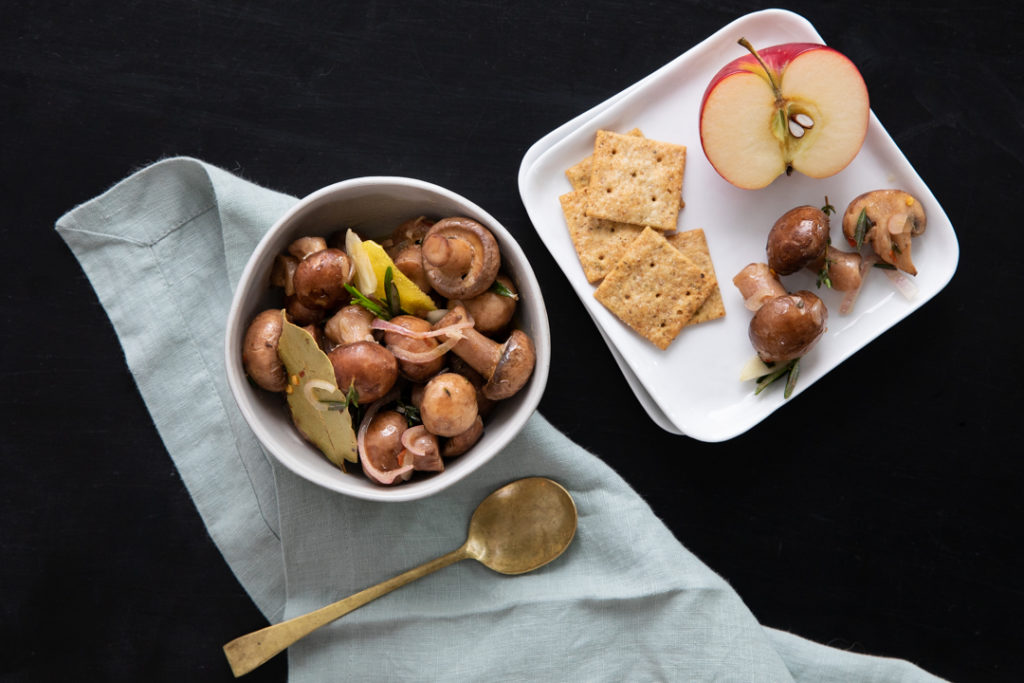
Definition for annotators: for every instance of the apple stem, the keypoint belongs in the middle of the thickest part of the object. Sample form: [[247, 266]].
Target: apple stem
[[771, 78]]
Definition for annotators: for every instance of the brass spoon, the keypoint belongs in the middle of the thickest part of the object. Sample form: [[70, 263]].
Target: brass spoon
[[520, 527]]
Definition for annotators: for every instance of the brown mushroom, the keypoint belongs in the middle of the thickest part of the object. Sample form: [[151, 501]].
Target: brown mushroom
[[757, 284], [461, 257], [405, 348], [350, 324], [368, 366], [506, 367], [788, 326], [424, 448], [259, 351], [843, 269], [306, 246], [409, 260], [448, 406], [301, 314], [283, 272], [382, 446], [491, 311], [483, 404], [460, 443], [797, 238], [320, 279], [891, 219], [411, 231]]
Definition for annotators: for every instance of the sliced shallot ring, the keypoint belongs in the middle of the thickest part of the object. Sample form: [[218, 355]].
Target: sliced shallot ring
[[409, 437], [388, 326], [426, 356], [323, 385], [377, 475], [903, 284]]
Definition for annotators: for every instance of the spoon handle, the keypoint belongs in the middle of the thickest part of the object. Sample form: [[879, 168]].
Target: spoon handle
[[247, 652]]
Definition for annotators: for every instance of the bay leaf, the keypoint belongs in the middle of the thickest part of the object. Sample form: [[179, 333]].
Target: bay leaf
[[329, 430]]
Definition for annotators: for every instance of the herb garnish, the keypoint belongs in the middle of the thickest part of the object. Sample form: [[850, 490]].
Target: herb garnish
[[790, 369], [391, 296], [369, 304], [863, 224], [502, 290]]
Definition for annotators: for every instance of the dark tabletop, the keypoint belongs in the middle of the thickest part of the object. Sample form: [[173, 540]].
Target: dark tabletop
[[876, 512]]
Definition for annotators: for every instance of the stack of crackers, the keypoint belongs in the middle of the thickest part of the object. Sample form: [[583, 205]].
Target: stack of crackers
[[622, 216]]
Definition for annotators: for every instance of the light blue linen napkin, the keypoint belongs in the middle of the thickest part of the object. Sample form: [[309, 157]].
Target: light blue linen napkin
[[163, 250]]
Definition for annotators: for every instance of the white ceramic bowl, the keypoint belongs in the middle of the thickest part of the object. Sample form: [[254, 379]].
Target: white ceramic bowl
[[374, 206]]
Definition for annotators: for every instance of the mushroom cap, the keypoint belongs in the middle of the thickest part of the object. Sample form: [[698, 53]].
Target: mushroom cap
[[448, 406], [788, 326], [461, 257], [492, 312], [320, 279], [798, 237], [415, 371], [349, 324], [368, 366], [460, 443], [894, 217], [514, 367], [382, 442], [259, 351]]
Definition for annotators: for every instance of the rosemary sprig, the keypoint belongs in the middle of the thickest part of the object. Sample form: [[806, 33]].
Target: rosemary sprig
[[502, 290], [863, 225], [369, 304], [391, 295], [790, 369]]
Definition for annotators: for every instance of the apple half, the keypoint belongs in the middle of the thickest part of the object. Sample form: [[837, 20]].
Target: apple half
[[796, 106]]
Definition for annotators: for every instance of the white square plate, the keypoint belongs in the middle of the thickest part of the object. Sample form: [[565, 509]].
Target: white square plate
[[693, 387]]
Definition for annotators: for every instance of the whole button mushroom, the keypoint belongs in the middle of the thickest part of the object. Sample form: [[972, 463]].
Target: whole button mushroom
[[788, 326], [491, 311], [321, 277], [367, 366], [891, 219], [460, 443], [382, 446], [396, 342], [448, 406], [350, 324], [461, 257], [799, 237], [259, 351], [505, 367]]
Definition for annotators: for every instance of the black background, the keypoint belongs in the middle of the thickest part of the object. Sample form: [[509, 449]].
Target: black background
[[878, 512]]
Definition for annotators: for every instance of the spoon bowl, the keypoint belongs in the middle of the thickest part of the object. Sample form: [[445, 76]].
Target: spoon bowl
[[520, 527]]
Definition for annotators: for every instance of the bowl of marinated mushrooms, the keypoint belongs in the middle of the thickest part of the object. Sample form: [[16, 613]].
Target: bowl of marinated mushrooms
[[387, 338]]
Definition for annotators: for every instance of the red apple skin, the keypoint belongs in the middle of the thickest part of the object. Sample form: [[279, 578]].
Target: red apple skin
[[777, 58]]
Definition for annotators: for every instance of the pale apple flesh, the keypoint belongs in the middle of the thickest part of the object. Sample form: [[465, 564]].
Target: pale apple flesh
[[808, 112]]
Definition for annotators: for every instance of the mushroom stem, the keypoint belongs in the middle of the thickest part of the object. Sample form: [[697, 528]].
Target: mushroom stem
[[506, 367], [450, 254]]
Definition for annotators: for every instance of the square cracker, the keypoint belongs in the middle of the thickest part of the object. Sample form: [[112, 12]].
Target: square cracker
[[694, 246], [579, 174], [636, 180], [599, 244], [654, 288]]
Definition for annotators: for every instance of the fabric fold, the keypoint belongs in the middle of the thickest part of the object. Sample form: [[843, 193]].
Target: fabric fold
[[164, 250]]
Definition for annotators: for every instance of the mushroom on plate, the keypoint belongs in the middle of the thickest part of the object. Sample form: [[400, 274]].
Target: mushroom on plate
[[788, 326], [461, 257], [798, 237], [887, 220]]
